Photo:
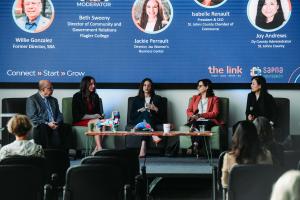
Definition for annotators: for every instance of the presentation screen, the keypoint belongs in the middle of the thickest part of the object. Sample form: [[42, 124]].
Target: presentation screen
[[169, 41]]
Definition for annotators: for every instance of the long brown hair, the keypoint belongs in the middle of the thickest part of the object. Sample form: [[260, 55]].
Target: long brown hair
[[264, 130], [141, 91], [84, 86], [144, 16], [245, 143]]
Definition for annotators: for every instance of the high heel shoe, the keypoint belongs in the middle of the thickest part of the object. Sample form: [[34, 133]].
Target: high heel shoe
[[96, 149]]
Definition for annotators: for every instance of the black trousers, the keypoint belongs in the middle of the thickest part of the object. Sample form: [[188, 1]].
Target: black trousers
[[208, 124], [49, 138]]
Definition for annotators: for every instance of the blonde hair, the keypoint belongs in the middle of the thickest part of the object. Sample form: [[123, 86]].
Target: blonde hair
[[287, 186], [19, 125]]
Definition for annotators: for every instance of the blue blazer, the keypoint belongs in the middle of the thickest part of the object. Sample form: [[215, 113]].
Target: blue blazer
[[37, 112]]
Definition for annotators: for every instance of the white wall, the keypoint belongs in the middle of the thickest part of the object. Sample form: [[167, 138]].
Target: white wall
[[116, 99]]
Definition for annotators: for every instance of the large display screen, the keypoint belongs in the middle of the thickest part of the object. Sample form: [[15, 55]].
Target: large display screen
[[170, 41]]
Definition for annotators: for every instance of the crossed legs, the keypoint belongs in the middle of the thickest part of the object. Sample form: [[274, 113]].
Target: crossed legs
[[98, 141]]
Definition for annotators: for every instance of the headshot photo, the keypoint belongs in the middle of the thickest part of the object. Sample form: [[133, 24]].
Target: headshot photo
[[152, 16], [210, 3], [269, 15], [33, 16]]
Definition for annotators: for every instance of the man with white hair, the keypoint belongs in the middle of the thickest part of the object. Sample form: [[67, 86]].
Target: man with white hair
[[43, 110], [33, 21]]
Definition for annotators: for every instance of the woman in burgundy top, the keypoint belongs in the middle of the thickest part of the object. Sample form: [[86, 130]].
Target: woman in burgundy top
[[86, 106]]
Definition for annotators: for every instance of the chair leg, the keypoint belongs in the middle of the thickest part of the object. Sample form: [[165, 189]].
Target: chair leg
[[224, 193]]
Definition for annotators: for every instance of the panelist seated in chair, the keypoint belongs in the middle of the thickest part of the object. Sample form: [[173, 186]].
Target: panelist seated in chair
[[246, 149], [86, 106], [20, 126], [203, 109], [147, 107], [43, 110], [260, 102]]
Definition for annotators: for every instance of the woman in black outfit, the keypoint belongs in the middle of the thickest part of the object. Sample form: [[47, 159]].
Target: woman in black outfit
[[86, 106], [147, 106], [260, 102]]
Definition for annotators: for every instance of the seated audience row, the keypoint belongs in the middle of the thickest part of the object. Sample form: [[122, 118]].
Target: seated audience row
[[250, 145]]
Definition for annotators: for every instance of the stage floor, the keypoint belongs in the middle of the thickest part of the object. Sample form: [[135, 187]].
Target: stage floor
[[177, 166]]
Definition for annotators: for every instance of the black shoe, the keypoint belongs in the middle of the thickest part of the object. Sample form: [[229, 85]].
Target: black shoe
[[196, 149]]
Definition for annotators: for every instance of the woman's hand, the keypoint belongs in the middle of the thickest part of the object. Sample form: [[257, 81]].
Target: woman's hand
[[98, 116], [53, 125], [194, 117], [141, 109], [93, 116], [152, 107]]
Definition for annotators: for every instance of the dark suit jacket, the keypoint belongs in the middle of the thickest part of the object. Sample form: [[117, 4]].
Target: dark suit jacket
[[212, 111], [37, 112], [154, 117], [265, 106], [79, 106]]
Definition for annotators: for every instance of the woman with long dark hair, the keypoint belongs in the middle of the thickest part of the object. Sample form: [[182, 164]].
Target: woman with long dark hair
[[86, 106], [152, 16], [259, 101], [146, 106], [269, 14], [203, 109], [246, 149]]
